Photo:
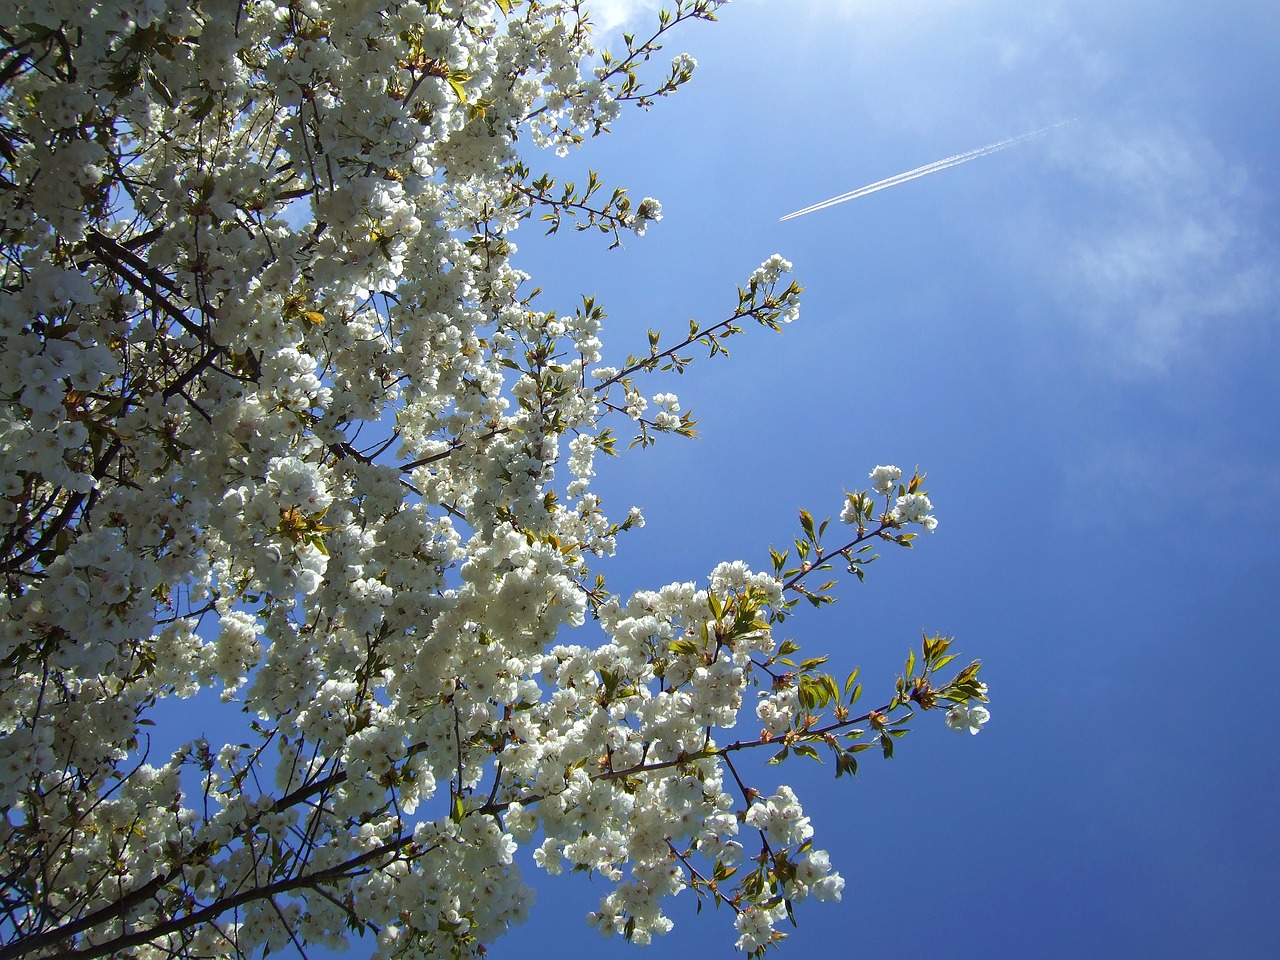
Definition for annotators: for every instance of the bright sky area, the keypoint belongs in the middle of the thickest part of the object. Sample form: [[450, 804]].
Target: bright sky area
[[1076, 338]]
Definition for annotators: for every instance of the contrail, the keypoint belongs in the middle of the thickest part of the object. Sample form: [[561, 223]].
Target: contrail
[[924, 171]]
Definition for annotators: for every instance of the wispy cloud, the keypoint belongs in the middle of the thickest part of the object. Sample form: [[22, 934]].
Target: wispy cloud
[[610, 15], [877, 12], [1178, 255]]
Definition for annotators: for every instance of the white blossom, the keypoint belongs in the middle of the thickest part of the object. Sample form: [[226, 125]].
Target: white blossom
[[967, 718], [885, 478]]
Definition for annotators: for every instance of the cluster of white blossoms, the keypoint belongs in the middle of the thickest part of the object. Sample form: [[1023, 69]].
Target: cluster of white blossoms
[[280, 423], [907, 508], [967, 717]]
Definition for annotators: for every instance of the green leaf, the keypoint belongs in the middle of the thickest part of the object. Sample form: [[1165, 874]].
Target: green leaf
[[848, 684], [845, 763], [806, 523], [806, 693], [723, 872], [202, 108], [829, 685]]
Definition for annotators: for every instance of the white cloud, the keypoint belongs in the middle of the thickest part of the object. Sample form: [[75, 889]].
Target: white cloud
[[881, 12], [1151, 237], [1170, 254], [610, 15]]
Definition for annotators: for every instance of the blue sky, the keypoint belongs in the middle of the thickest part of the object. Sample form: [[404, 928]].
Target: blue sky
[[1076, 338]]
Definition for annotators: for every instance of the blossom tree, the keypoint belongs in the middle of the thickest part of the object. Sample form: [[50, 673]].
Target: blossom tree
[[279, 419]]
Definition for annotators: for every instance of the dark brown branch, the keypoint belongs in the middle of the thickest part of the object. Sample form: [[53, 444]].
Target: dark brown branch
[[217, 908]]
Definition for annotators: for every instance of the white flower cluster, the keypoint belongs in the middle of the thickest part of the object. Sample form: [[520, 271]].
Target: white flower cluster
[[277, 423], [668, 415], [907, 508], [914, 508], [768, 274], [967, 717], [885, 478]]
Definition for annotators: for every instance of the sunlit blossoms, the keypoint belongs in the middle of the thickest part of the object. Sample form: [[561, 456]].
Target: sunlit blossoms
[[967, 718], [914, 508], [283, 429], [884, 478]]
